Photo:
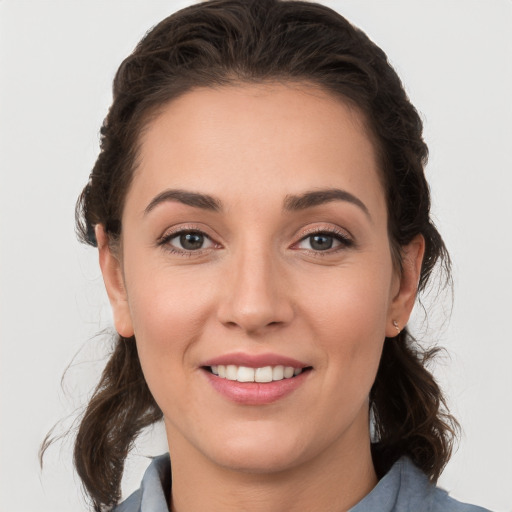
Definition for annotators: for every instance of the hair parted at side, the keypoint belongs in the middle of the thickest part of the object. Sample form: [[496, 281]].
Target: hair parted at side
[[222, 42]]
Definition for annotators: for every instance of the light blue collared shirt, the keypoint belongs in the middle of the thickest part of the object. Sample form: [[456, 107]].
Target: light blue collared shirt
[[405, 488]]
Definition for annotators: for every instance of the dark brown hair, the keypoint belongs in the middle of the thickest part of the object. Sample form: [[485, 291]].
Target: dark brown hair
[[238, 41]]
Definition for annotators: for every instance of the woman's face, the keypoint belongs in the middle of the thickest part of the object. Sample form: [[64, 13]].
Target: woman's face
[[254, 241]]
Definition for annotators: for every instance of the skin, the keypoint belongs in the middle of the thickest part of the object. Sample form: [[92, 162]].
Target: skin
[[258, 285]]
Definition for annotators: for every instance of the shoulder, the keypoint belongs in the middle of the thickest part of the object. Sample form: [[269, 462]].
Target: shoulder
[[405, 488], [422, 490], [153, 491], [448, 504], [416, 490], [130, 504]]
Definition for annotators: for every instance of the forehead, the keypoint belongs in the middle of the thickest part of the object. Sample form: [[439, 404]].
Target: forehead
[[257, 140]]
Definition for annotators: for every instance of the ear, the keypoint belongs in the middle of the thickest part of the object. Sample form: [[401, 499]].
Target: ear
[[114, 283], [408, 279]]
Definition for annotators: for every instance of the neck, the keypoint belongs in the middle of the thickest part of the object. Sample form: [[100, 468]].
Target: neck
[[333, 481]]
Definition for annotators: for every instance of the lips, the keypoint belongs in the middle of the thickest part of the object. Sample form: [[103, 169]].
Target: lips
[[255, 360], [261, 374], [255, 379]]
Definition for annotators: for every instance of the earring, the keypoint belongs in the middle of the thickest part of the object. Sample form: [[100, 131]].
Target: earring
[[395, 324]]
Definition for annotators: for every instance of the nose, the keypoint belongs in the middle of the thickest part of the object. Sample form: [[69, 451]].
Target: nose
[[256, 296]]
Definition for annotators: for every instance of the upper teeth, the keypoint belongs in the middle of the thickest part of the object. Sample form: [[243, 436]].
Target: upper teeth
[[246, 374]]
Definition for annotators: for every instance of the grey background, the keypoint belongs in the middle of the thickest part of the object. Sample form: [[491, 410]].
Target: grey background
[[57, 61]]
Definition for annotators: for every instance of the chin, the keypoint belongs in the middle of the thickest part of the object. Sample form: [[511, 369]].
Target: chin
[[261, 461], [259, 454]]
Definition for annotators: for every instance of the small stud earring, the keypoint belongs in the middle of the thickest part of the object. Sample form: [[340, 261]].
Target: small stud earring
[[395, 324]]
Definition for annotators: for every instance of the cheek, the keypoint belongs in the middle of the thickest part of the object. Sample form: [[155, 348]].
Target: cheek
[[349, 321], [349, 304], [169, 312]]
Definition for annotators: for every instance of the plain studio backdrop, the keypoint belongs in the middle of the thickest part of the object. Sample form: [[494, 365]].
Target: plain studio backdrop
[[57, 61]]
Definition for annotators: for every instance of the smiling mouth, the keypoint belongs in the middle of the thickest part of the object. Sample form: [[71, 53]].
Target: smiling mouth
[[248, 374]]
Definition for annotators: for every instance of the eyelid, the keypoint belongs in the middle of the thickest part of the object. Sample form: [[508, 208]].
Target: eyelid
[[176, 231], [341, 235], [344, 233]]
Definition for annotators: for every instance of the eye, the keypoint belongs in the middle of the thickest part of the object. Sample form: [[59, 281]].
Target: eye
[[188, 241], [324, 241]]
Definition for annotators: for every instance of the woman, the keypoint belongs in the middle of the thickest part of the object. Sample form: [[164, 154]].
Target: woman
[[262, 220]]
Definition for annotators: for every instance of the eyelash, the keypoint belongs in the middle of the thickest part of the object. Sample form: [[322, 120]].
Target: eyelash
[[164, 242], [344, 240]]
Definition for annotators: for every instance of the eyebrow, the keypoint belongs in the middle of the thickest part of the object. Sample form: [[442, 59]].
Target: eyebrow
[[319, 197], [203, 201], [291, 202]]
